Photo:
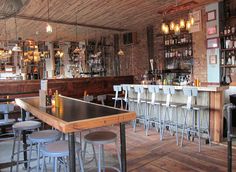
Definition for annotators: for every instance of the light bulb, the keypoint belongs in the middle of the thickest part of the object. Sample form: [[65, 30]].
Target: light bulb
[[172, 25], [182, 23], [166, 29], [9, 52], [191, 20], [188, 25], [49, 28], [163, 27], [177, 28]]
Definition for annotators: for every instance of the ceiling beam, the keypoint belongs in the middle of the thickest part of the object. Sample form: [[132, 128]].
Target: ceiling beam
[[69, 23]]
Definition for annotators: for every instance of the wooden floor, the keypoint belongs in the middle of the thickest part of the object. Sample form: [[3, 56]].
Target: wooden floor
[[149, 154]]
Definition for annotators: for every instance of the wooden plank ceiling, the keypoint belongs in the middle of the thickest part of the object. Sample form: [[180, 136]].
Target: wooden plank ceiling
[[115, 14]]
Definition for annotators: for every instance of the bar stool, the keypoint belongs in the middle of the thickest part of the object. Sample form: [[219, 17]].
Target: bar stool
[[59, 151], [102, 98], [117, 89], [18, 128], [102, 138], [141, 112], [39, 138], [153, 90], [127, 99], [169, 107], [189, 109]]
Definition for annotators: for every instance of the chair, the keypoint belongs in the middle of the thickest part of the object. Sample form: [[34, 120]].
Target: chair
[[190, 110], [153, 90], [102, 98], [102, 138], [127, 99], [141, 112], [39, 138], [168, 108], [117, 89], [18, 128], [59, 151]]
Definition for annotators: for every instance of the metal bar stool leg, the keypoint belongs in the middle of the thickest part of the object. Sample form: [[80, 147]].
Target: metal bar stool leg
[[99, 158], [118, 154], [103, 159], [182, 137], [13, 151], [176, 128], [30, 153], [199, 136], [18, 152]]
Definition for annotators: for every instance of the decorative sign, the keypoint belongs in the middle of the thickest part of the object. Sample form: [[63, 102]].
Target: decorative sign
[[197, 21], [212, 43], [44, 85], [213, 59], [212, 30], [211, 15]]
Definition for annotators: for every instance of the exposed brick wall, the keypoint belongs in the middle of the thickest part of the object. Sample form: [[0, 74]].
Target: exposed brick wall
[[199, 51], [135, 62]]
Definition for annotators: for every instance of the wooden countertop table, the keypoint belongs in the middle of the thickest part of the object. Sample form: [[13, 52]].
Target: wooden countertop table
[[76, 115]]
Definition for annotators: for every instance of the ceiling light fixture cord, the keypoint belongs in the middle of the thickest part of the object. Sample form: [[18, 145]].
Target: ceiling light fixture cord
[[16, 29]]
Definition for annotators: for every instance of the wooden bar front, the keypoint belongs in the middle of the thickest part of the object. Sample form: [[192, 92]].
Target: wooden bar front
[[68, 87]]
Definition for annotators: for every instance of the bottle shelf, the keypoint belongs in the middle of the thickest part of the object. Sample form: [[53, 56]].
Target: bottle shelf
[[179, 45], [179, 58]]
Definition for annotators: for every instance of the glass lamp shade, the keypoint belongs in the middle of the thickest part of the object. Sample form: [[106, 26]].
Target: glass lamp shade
[[49, 28], [163, 27], [16, 48], [182, 24], [191, 20], [188, 25], [121, 53], [166, 31], [172, 25], [177, 28]]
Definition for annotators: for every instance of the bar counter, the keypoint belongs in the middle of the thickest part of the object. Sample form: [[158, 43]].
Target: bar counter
[[210, 95], [73, 87]]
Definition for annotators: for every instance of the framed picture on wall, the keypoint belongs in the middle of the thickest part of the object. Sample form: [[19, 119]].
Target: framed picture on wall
[[211, 15], [212, 43], [213, 59], [212, 30]]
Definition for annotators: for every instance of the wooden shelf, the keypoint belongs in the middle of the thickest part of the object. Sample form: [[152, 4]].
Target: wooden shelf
[[228, 49], [177, 71], [228, 66], [181, 45], [231, 34], [180, 58]]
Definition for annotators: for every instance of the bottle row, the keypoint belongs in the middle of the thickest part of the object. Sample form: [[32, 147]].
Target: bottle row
[[177, 40], [228, 30], [187, 52], [228, 58], [229, 42]]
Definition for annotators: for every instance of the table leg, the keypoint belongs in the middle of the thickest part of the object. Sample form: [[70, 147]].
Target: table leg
[[23, 113], [123, 147], [72, 164]]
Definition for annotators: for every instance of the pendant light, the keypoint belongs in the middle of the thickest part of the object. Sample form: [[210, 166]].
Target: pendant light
[[77, 49], [120, 52], [16, 48], [48, 27]]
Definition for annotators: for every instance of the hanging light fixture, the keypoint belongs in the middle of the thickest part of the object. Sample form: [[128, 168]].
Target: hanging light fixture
[[16, 48], [48, 27], [77, 49], [176, 28], [120, 52]]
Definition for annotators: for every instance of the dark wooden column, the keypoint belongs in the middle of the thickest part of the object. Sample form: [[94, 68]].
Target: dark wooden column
[[116, 57], [150, 44]]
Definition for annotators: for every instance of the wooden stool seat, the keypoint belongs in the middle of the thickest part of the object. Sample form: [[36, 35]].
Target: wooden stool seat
[[100, 137]]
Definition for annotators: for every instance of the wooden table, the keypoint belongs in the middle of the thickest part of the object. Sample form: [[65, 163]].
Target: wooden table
[[76, 115]]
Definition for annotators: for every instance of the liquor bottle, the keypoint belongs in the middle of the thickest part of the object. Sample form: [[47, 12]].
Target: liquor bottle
[[225, 31], [190, 51], [57, 99], [186, 52], [222, 58], [229, 30], [233, 29], [233, 58]]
